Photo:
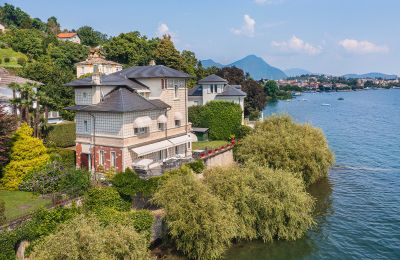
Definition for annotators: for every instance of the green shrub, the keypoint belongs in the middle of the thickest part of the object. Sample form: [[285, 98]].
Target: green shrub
[[85, 238], [75, 182], [21, 61], [2, 212], [64, 156], [61, 135], [279, 143], [104, 197], [197, 166], [268, 204], [200, 224], [6, 59], [221, 117], [28, 154], [244, 130]]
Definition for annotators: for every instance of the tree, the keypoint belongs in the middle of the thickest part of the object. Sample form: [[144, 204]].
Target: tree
[[8, 124], [90, 37], [166, 54], [85, 238], [200, 224], [65, 53], [27, 41], [233, 75], [271, 89], [255, 100], [280, 143], [98, 198], [130, 48], [14, 17], [53, 26], [28, 154], [25, 99], [224, 118], [268, 204]]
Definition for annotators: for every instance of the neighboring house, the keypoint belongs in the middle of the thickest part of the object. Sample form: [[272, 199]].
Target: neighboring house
[[214, 87], [7, 94], [134, 118], [2, 28], [69, 36], [96, 61]]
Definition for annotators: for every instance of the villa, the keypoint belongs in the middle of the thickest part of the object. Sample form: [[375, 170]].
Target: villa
[[69, 36], [214, 87], [135, 118], [96, 61]]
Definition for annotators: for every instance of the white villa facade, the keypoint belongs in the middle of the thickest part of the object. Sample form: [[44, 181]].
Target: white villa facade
[[214, 87], [96, 63], [134, 118]]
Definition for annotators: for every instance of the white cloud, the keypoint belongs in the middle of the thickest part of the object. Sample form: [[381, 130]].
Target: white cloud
[[297, 45], [163, 29], [362, 47], [248, 27], [261, 2]]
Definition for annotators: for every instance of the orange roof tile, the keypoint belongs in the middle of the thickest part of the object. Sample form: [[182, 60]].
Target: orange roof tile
[[66, 35]]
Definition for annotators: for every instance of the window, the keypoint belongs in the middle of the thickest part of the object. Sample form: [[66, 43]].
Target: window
[[176, 149], [162, 155], [161, 126], [85, 126], [163, 83], [209, 89], [141, 130], [113, 159], [177, 123], [84, 94], [101, 157], [188, 145], [215, 88], [176, 91]]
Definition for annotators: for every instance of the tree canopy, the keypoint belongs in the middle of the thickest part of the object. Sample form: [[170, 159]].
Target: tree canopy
[[91, 37]]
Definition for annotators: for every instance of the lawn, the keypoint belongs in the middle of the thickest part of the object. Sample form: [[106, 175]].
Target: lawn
[[20, 203], [209, 144], [13, 55]]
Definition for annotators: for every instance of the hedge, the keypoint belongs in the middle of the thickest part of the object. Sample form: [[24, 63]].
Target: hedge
[[64, 156], [60, 135], [223, 118]]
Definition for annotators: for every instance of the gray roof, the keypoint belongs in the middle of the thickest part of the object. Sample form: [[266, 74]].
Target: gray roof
[[232, 91], [196, 91], [156, 71], [114, 79], [213, 78], [122, 100]]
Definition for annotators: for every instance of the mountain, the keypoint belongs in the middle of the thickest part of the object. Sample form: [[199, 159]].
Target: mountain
[[371, 75], [294, 72], [210, 63], [255, 66]]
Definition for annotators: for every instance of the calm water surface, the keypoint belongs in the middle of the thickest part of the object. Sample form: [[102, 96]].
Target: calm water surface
[[358, 209]]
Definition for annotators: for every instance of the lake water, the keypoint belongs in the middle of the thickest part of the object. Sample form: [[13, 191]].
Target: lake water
[[358, 208]]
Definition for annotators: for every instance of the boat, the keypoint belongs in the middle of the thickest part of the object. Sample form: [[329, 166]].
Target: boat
[[340, 98], [326, 105]]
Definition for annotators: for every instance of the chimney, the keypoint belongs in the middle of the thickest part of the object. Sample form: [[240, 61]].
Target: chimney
[[96, 75], [152, 63]]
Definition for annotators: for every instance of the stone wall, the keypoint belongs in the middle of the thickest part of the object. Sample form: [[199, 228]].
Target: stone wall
[[223, 158]]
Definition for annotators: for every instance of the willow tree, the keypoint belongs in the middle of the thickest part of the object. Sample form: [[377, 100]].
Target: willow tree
[[28, 154], [280, 143]]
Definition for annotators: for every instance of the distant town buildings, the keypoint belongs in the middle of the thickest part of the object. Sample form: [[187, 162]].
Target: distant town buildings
[[69, 36], [96, 63]]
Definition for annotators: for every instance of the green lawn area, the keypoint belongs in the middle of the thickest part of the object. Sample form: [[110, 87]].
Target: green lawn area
[[20, 203], [13, 55], [209, 144]]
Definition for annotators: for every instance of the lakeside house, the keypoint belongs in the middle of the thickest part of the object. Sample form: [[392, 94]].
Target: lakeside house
[[134, 118], [96, 62], [7, 94], [214, 87], [69, 36]]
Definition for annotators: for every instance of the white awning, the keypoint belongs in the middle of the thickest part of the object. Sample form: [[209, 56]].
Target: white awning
[[86, 148], [143, 121], [180, 140], [178, 116], [162, 119], [151, 148]]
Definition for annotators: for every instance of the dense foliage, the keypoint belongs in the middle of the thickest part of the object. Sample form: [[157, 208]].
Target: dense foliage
[[280, 143], [8, 124], [85, 238], [27, 155], [221, 117], [61, 135], [199, 223], [197, 166], [2, 212], [268, 204], [104, 197]]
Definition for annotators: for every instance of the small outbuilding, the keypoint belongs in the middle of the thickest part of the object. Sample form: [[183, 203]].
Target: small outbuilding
[[201, 133]]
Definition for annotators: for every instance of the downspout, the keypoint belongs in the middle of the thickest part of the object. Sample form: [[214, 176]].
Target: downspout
[[186, 116], [93, 159]]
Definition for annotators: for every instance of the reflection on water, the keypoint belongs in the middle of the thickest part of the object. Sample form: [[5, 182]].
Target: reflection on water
[[321, 191]]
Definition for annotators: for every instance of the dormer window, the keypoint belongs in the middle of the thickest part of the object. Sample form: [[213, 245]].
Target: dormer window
[[176, 91]]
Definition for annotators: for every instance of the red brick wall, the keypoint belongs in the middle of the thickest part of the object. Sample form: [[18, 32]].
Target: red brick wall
[[78, 148], [107, 157]]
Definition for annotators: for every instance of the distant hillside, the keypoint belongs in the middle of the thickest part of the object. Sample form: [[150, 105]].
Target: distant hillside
[[294, 72], [210, 63], [254, 65], [372, 75]]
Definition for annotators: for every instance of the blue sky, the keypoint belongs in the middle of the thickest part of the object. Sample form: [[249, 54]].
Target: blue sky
[[326, 36]]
